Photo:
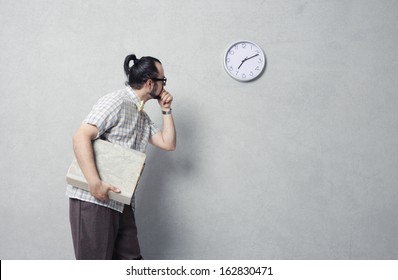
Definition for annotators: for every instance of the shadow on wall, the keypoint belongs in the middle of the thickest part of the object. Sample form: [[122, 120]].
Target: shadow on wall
[[157, 197]]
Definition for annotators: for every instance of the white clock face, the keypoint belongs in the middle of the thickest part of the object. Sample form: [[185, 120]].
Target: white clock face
[[244, 61]]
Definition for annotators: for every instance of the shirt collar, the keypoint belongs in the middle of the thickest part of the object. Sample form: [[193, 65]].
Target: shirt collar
[[137, 101]]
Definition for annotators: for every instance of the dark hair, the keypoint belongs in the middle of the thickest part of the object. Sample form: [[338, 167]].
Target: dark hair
[[142, 70]]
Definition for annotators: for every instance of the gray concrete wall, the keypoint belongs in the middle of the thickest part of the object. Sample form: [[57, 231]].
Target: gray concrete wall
[[300, 164]]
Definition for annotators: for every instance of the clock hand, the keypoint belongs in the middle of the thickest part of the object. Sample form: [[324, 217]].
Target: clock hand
[[242, 62], [247, 58]]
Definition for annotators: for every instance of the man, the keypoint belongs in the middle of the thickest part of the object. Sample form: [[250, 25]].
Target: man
[[103, 228]]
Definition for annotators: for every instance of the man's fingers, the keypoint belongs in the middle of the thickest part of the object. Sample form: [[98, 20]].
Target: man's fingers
[[105, 196], [101, 196], [101, 191], [114, 189], [166, 98]]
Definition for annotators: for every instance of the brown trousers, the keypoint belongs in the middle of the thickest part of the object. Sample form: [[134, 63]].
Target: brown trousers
[[100, 233]]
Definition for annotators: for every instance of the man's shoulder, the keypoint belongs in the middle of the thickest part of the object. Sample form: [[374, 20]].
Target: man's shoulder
[[116, 94], [117, 97]]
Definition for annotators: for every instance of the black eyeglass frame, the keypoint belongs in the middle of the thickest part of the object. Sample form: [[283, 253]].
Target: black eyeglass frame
[[164, 80]]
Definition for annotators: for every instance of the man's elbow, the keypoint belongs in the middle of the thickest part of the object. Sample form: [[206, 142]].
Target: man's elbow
[[171, 148], [77, 137]]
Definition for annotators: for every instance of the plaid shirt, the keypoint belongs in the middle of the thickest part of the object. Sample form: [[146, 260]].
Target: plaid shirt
[[119, 121]]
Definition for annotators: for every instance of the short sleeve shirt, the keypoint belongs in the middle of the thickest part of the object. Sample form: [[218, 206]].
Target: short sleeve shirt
[[119, 121]]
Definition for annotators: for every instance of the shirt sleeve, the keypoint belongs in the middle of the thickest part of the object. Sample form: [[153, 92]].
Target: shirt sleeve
[[104, 114], [153, 129]]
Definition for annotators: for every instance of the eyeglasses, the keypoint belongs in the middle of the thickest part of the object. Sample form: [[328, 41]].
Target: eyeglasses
[[164, 80]]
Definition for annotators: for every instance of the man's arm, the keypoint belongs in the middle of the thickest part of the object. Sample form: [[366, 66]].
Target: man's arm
[[83, 148], [167, 138]]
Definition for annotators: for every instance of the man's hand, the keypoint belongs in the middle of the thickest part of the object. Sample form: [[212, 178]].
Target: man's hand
[[166, 138], [83, 148], [165, 100], [100, 190]]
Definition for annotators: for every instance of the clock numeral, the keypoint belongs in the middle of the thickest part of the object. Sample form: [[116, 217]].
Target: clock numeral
[[251, 73], [244, 76], [260, 60], [231, 52], [231, 68], [257, 68], [237, 72], [243, 45]]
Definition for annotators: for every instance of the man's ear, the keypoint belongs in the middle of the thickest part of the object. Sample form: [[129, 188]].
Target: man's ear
[[149, 84]]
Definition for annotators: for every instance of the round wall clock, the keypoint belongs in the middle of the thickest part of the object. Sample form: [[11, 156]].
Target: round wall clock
[[244, 61]]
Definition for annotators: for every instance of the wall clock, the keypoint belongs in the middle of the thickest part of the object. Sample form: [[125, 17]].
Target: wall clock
[[244, 61]]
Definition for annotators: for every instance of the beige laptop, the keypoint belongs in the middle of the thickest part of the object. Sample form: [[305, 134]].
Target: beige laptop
[[116, 165]]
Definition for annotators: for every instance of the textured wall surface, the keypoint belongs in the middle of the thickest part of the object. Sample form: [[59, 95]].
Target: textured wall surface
[[299, 164]]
